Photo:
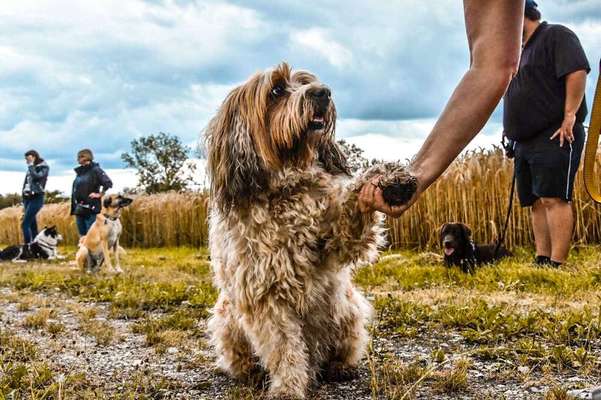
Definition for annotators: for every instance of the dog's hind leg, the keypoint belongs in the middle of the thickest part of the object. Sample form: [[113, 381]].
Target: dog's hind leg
[[231, 345], [276, 335]]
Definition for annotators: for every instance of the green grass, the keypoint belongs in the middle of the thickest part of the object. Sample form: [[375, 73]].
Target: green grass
[[160, 279], [544, 321]]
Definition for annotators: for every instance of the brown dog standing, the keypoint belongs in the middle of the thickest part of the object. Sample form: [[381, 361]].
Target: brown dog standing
[[103, 237]]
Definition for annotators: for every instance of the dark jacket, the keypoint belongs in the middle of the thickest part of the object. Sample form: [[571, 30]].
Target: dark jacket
[[90, 178], [35, 179]]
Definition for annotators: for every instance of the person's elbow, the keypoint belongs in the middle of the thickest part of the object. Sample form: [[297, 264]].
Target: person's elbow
[[577, 77]]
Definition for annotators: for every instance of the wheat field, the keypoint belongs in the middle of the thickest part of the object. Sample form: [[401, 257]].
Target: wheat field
[[474, 190]]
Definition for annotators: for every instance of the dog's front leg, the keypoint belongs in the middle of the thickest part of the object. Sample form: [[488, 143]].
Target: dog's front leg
[[117, 259], [107, 257], [277, 338]]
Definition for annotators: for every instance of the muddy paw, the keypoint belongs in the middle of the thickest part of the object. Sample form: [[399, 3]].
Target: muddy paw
[[337, 372], [398, 188]]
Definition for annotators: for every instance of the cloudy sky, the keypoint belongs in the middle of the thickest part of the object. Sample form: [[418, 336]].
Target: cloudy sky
[[77, 73]]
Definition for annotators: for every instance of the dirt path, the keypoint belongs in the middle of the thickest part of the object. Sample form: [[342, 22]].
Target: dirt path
[[187, 366]]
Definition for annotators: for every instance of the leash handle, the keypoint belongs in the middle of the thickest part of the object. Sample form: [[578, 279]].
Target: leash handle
[[592, 142]]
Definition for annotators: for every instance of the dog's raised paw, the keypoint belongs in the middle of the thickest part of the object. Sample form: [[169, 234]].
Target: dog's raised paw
[[398, 188]]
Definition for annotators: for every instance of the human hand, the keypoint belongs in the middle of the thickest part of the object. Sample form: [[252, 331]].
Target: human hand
[[565, 131], [95, 195], [371, 199]]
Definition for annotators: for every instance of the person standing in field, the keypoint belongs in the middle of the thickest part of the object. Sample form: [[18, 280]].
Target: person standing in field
[[90, 184], [33, 191], [494, 32], [544, 109]]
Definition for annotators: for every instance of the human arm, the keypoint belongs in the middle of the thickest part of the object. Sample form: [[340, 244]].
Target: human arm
[[38, 172], [105, 184], [494, 31], [575, 87]]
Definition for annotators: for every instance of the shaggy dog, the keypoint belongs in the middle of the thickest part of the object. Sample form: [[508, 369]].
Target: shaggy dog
[[459, 248], [285, 233], [43, 247]]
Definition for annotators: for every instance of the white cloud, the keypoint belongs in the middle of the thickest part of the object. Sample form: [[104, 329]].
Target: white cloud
[[320, 41], [401, 140], [12, 181], [97, 74]]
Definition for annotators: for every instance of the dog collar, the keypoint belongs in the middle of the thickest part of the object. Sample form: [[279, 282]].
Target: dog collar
[[110, 217]]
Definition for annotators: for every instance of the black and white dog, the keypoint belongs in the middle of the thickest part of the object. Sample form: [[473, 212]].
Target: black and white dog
[[43, 247], [459, 248]]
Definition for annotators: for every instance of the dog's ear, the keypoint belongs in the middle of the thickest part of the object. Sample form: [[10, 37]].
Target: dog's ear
[[124, 201], [467, 232], [441, 231], [331, 156], [235, 168], [107, 201]]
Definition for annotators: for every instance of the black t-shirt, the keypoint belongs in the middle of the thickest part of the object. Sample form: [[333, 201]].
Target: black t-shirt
[[535, 100]]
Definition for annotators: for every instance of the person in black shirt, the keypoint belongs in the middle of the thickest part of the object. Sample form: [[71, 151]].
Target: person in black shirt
[[544, 108], [89, 186]]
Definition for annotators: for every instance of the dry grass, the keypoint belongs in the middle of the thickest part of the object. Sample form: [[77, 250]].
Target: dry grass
[[167, 219], [474, 190]]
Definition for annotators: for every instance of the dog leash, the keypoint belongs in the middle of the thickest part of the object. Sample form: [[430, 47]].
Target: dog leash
[[507, 215], [592, 142]]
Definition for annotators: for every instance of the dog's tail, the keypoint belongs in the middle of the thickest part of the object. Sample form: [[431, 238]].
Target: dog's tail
[[495, 232]]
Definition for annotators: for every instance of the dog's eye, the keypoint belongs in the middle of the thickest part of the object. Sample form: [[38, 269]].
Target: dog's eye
[[278, 90]]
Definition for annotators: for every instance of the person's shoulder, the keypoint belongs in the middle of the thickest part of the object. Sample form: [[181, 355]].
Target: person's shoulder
[[558, 30]]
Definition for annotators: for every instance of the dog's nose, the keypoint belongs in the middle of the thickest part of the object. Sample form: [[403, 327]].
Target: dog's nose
[[320, 93]]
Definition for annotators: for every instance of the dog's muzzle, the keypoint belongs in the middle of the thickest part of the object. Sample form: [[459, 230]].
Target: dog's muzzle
[[447, 243], [321, 98]]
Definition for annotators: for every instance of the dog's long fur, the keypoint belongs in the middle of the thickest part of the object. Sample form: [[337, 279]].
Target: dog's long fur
[[285, 232], [460, 250], [102, 239]]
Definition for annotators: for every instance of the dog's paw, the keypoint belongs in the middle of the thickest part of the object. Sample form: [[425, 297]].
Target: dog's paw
[[338, 372], [398, 185]]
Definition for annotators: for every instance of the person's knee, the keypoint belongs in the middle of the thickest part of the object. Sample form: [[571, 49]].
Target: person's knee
[[552, 202]]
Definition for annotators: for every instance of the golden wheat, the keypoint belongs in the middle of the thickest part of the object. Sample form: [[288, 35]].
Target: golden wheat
[[474, 190]]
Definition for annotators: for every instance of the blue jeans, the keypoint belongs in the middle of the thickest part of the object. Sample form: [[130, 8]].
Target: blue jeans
[[84, 222], [32, 205]]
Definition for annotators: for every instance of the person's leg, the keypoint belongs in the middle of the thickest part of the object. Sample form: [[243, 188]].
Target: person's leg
[[90, 219], [26, 223], [80, 221], [36, 206], [560, 220], [542, 237], [494, 31]]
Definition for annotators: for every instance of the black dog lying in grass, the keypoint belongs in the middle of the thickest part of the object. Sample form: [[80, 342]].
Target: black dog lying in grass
[[459, 249]]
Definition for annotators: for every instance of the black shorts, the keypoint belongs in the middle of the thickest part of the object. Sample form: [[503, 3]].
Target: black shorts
[[544, 169]]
